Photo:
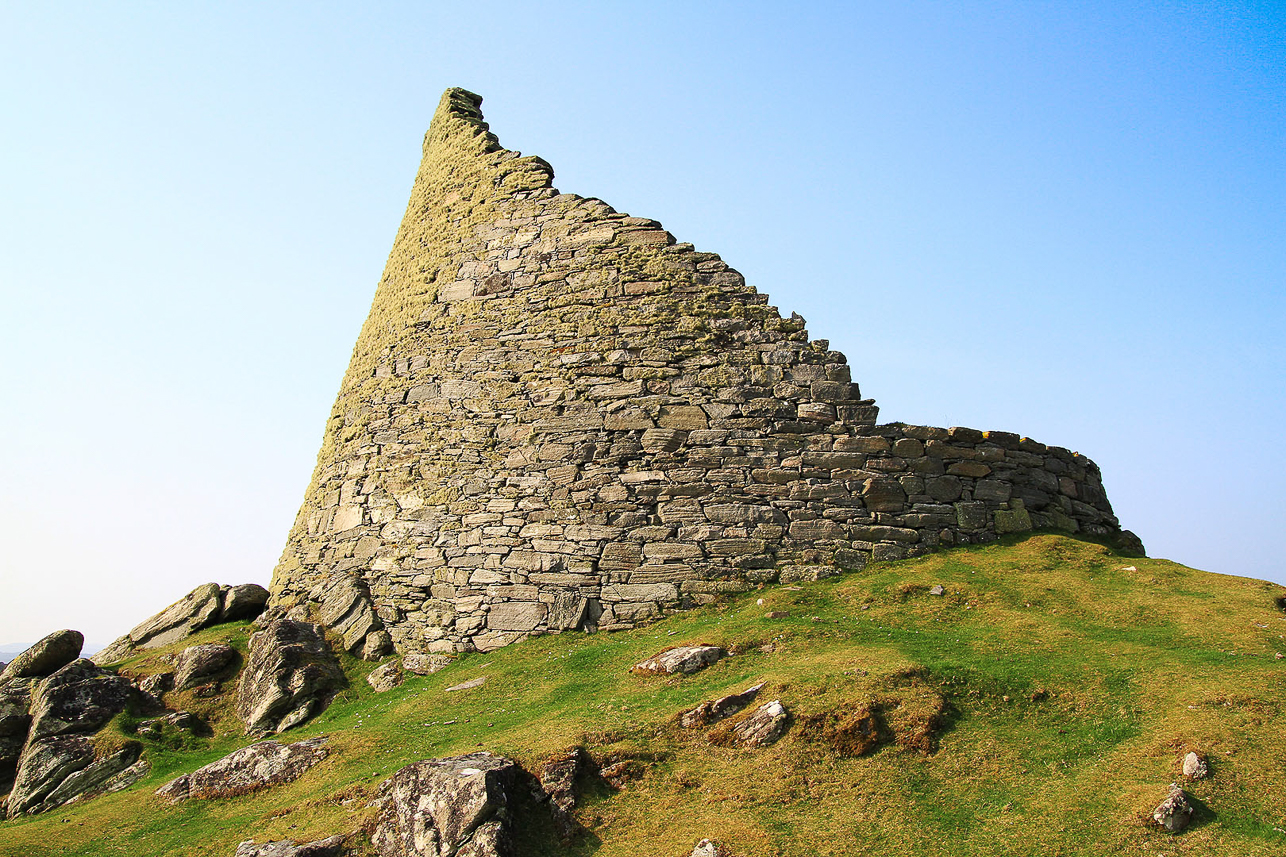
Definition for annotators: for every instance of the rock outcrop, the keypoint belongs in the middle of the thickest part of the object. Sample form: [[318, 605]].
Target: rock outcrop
[[762, 727], [208, 604], [1175, 812], [45, 657], [330, 847], [715, 710], [454, 807], [58, 761], [291, 675], [680, 659], [249, 769], [196, 664], [556, 417]]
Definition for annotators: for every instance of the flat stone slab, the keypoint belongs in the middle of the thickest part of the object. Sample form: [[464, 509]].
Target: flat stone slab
[[469, 685], [249, 769], [680, 659]]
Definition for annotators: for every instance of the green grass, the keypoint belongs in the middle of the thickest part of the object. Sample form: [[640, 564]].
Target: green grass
[[1070, 687]]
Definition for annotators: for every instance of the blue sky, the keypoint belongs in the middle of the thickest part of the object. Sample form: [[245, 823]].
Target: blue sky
[[1061, 219]]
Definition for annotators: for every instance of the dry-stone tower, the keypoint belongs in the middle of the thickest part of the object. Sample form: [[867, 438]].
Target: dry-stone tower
[[556, 417]]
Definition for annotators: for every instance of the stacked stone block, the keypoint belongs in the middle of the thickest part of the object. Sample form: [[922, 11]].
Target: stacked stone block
[[558, 418]]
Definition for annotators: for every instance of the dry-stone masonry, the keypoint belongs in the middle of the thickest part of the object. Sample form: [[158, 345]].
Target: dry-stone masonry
[[556, 417]]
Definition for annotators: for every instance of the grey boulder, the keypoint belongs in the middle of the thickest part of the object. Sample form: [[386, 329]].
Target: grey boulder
[[453, 807], [45, 657], [330, 847], [249, 769], [204, 606], [385, 677], [717, 709], [1175, 811], [15, 718], [680, 659], [56, 771], [195, 664], [1195, 767], [765, 725], [79, 698], [242, 603], [291, 675]]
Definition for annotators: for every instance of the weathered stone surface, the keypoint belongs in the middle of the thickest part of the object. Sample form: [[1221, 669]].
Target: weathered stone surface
[[346, 608], [1195, 767], [81, 697], [425, 664], [15, 717], [45, 657], [196, 664], [715, 710], [558, 780], [180, 721], [765, 725], [680, 659], [249, 769], [710, 848], [385, 677], [937, 589], [330, 847], [57, 770], [1175, 812], [453, 807], [242, 603], [468, 685], [156, 684], [290, 676], [575, 404], [196, 610]]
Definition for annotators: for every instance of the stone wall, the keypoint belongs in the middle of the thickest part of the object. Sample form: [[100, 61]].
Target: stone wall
[[556, 417]]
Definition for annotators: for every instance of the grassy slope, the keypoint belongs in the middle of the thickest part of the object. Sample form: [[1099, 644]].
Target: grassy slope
[[1136, 666]]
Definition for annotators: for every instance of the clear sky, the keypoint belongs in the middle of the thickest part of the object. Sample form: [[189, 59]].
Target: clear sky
[[1066, 220]]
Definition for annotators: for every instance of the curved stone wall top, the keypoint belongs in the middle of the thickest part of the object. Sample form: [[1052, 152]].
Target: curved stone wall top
[[556, 417]]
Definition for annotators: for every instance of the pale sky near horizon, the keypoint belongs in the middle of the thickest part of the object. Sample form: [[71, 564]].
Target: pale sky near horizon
[[1066, 220]]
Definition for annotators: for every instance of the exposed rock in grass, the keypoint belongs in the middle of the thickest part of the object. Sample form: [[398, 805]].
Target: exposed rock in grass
[[617, 773], [937, 589], [197, 663], [715, 710], [204, 606], [680, 659], [249, 769], [385, 677], [330, 847], [710, 848], [558, 780], [468, 685], [762, 727], [1195, 767], [1175, 812], [422, 663], [157, 684], [79, 698], [178, 721], [453, 807], [45, 657], [291, 676], [56, 771]]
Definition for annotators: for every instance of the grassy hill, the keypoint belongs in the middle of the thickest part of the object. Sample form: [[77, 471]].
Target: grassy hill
[[1041, 706]]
